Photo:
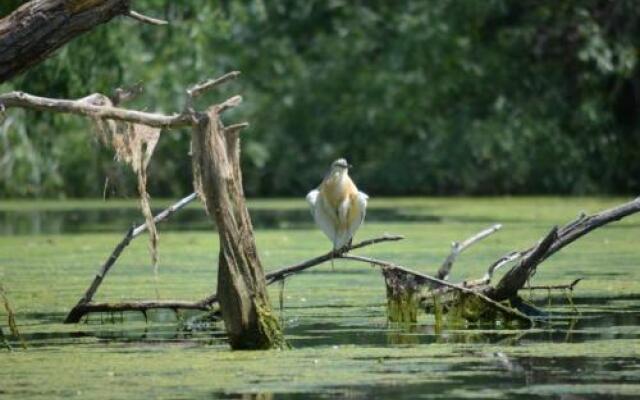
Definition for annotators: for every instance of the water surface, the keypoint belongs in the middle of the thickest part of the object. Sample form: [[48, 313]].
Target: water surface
[[335, 321]]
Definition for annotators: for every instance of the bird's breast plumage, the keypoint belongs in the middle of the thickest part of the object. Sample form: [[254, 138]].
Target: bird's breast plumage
[[336, 189]]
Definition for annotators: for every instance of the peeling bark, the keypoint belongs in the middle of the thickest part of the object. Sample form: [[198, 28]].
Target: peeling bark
[[242, 292]]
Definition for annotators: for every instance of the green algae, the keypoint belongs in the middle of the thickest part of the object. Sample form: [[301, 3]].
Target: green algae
[[335, 321]]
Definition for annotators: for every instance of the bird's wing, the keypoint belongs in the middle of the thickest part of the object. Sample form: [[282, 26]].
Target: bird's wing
[[312, 199], [362, 203], [325, 221]]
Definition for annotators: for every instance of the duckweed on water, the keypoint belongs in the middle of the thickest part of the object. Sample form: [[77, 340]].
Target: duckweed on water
[[335, 321]]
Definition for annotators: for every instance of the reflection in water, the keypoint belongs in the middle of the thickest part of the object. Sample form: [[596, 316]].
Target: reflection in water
[[118, 220]]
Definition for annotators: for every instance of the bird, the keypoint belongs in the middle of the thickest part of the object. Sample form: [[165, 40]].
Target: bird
[[337, 206]]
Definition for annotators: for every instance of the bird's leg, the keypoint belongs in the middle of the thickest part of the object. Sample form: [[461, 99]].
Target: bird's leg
[[348, 245]]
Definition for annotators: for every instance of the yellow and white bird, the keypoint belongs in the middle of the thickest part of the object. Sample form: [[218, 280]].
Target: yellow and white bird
[[337, 206]]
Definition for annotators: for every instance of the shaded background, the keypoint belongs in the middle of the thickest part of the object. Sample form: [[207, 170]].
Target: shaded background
[[423, 97]]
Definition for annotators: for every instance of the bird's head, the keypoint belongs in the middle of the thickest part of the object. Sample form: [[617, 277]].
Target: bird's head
[[340, 166]]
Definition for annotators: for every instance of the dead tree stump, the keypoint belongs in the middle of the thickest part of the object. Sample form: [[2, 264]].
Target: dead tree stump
[[242, 290]]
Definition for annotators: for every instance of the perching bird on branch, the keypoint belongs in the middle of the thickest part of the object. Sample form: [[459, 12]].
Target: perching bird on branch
[[337, 206]]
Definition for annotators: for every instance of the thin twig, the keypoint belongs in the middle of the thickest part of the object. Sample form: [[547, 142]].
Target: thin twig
[[145, 19], [121, 95], [203, 87], [227, 104], [569, 286], [457, 248], [235, 127]]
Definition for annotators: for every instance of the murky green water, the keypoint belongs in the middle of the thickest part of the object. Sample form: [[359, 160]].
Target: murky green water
[[334, 320]]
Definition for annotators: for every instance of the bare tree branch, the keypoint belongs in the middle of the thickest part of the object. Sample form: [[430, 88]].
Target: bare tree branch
[[37, 28], [457, 248], [145, 19], [205, 86], [80, 107]]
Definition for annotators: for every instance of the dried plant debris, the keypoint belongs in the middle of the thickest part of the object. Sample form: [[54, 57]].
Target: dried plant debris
[[134, 145], [11, 319]]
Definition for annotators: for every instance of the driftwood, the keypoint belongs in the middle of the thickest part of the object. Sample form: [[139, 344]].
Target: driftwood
[[59, 21]]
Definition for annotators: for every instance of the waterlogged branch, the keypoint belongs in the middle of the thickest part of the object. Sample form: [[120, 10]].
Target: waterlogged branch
[[457, 248], [80, 308]]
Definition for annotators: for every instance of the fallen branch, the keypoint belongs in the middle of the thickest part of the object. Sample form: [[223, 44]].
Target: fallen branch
[[555, 240], [143, 305], [78, 311], [457, 248], [206, 304]]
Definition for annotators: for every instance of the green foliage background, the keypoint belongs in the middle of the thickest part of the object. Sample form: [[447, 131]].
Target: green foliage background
[[423, 97]]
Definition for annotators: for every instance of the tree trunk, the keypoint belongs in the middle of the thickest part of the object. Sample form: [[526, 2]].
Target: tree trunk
[[37, 28], [242, 291]]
